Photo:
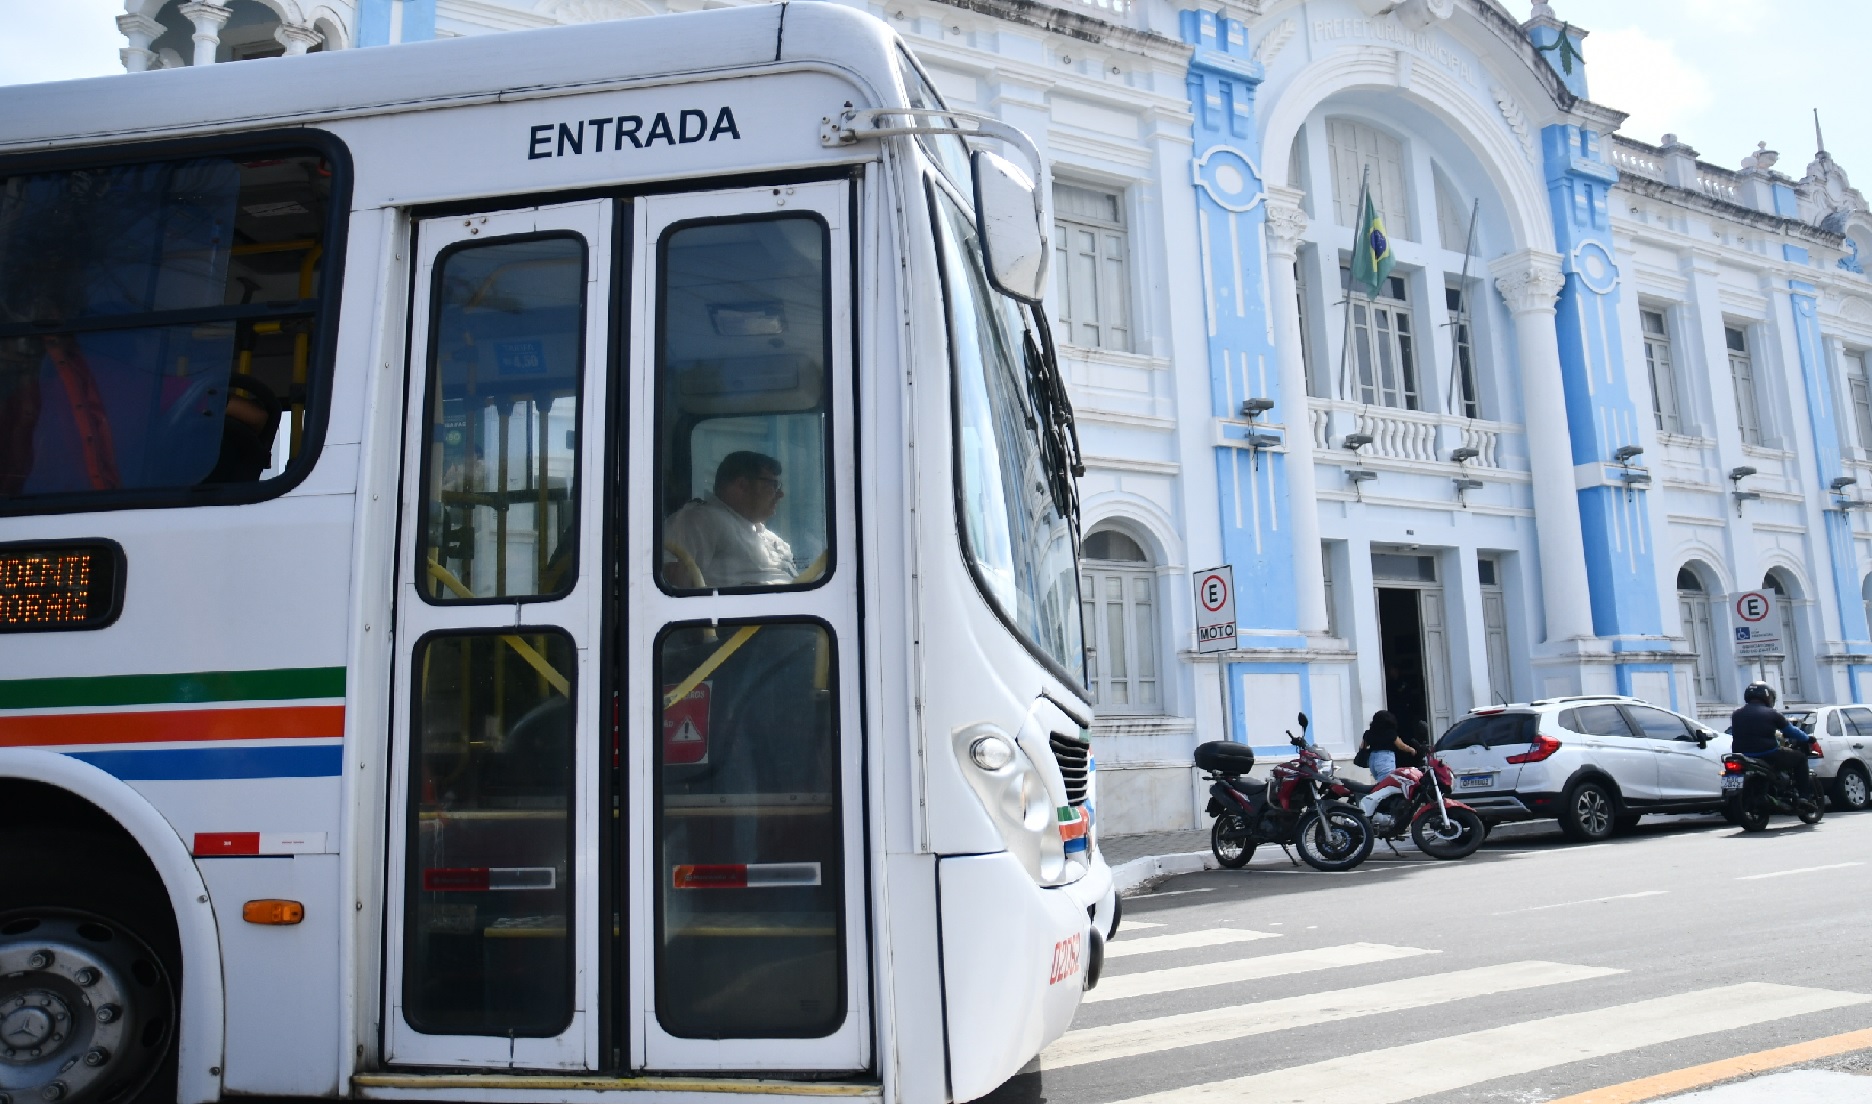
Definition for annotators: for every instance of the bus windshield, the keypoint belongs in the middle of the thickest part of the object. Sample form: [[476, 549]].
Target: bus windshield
[[1016, 533]]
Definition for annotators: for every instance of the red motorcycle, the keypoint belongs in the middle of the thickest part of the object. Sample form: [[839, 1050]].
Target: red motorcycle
[[1290, 809], [1415, 800]]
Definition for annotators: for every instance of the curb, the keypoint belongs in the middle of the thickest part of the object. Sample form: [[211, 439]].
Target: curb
[[1141, 875]]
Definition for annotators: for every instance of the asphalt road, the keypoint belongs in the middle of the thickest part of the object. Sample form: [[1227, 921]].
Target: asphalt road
[[1534, 970]]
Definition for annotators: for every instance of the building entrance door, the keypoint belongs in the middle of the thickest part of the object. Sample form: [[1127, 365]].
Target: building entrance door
[[1414, 643]]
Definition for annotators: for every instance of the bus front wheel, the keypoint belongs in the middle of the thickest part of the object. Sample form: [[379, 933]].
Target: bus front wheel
[[87, 998]]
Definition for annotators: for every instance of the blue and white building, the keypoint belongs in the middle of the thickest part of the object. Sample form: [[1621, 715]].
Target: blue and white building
[[1608, 387]]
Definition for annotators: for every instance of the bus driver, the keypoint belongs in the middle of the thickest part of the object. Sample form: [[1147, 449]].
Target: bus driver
[[721, 539]]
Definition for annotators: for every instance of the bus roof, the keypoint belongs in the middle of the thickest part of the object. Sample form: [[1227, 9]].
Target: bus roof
[[503, 67]]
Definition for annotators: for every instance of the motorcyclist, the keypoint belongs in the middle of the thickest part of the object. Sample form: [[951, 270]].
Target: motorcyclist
[[1754, 729]]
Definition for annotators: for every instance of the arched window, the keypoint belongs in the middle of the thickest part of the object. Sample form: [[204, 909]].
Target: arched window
[[1693, 606], [1118, 588], [1355, 147], [1784, 672]]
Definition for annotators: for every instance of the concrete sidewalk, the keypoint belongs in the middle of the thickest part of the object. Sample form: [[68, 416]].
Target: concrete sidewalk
[[1794, 1087]]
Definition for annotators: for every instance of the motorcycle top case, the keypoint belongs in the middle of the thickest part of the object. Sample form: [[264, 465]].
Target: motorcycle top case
[[1224, 757]]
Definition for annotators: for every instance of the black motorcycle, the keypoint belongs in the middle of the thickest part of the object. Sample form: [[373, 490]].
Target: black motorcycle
[[1754, 790], [1289, 809]]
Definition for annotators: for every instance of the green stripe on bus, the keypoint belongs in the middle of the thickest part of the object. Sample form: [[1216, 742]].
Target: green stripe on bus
[[279, 684]]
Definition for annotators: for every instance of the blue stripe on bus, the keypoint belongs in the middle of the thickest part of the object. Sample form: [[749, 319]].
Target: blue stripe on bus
[[181, 764]]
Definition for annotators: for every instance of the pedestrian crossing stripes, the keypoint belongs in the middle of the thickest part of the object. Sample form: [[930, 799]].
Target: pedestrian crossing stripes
[[1154, 1036], [1179, 978], [1458, 1061], [1139, 925], [1184, 941]]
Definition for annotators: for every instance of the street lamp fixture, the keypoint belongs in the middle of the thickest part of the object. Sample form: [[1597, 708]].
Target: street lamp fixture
[[1464, 455], [1356, 441], [1626, 454], [1254, 408]]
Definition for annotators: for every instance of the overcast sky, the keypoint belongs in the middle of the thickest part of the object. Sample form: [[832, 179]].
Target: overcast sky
[[1721, 74]]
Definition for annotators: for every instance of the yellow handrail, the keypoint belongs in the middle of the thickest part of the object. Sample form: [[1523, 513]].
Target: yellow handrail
[[525, 651], [733, 644]]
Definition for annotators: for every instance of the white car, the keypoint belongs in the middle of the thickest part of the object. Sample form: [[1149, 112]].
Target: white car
[[1845, 733], [1596, 764]]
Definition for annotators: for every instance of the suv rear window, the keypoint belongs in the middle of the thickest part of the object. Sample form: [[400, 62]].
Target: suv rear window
[[1494, 730], [1596, 720], [160, 325]]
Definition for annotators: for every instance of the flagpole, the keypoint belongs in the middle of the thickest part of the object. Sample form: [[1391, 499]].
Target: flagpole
[[1358, 223], [1462, 316]]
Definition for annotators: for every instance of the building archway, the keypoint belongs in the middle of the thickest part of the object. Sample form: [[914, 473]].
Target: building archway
[[1697, 591], [1118, 592], [1784, 672]]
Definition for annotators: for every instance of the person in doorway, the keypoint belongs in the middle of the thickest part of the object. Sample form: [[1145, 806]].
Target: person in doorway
[[1383, 744], [722, 539]]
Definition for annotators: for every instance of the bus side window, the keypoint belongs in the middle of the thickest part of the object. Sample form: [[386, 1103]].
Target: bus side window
[[742, 361], [158, 323]]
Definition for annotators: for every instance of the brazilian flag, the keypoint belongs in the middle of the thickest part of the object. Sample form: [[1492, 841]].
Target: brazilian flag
[[1372, 258]]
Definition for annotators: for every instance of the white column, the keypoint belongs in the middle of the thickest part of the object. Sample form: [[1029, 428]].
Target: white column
[[1286, 222], [297, 38], [208, 19], [1530, 282], [141, 30]]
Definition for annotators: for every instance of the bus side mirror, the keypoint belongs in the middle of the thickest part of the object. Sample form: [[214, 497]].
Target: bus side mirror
[[1008, 220]]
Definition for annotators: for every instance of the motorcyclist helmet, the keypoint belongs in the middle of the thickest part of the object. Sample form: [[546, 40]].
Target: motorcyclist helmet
[[1759, 692]]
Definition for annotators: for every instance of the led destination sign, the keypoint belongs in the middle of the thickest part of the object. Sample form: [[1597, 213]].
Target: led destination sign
[[47, 587]]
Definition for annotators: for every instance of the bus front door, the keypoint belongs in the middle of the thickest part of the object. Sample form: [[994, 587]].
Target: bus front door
[[492, 947], [629, 755], [744, 752]]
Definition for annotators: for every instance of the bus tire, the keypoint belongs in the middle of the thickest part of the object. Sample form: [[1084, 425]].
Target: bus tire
[[87, 939]]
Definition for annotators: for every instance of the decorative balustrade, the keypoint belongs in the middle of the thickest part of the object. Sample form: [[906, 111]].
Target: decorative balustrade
[[1410, 435], [1484, 439], [1718, 184], [1629, 157], [1399, 434]]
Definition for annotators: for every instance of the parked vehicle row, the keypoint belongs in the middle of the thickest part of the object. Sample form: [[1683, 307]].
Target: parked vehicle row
[[1594, 763]]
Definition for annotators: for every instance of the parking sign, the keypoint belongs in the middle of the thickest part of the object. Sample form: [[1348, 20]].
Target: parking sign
[[1757, 629], [1215, 610]]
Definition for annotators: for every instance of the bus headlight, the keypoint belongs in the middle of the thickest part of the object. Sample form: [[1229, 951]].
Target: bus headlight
[[1016, 796], [991, 752]]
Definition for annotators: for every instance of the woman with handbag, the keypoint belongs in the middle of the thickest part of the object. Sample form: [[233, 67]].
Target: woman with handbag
[[1381, 745]]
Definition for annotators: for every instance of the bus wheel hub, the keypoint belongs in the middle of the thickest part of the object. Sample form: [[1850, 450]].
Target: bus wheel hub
[[69, 1004]]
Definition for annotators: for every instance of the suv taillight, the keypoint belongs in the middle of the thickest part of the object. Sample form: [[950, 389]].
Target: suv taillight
[[1543, 748]]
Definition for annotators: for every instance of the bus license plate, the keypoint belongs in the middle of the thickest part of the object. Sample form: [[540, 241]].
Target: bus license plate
[[1484, 781]]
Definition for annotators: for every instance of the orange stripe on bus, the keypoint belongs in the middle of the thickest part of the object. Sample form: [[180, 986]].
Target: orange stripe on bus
[[296, 722]]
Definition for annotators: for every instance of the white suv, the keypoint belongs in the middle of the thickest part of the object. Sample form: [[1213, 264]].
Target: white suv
[[1596, 764]]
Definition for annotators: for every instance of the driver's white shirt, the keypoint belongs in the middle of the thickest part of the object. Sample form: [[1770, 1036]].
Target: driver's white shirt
[[729, 549]]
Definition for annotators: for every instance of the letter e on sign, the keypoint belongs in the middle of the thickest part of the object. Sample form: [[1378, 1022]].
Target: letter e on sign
[[1215, 610]]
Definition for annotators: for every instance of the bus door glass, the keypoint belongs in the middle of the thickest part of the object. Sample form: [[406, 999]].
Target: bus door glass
[[492, 951], [745, 943]]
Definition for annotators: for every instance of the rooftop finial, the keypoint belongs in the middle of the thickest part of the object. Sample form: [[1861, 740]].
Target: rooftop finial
[[1819, 138], [1542, 9]]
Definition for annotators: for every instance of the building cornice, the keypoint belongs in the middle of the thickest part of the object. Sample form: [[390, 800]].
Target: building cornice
[[1728, 212], [1072, 24]]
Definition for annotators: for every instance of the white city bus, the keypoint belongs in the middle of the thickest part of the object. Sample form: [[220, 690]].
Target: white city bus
[[532, 567]]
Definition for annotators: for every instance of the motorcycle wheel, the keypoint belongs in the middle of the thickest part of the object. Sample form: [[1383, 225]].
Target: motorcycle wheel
[[1458, 840], [1810, 810], [1746, 812], [1231, 853], [1334, 838]]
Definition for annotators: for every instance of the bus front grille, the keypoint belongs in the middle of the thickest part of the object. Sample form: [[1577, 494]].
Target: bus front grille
[[1075, 764]]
